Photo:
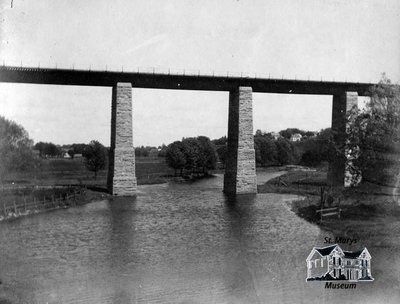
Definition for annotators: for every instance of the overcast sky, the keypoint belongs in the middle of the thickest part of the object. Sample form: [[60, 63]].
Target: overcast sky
[[349, 40]]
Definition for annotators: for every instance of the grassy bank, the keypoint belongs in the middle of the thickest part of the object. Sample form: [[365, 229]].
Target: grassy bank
[[359, 205], [303, 182]]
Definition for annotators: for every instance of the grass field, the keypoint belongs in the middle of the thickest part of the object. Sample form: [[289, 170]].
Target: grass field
[[61, 172]]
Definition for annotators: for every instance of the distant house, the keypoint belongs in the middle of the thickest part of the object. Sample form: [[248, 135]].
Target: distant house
[[295, 137], [332, 263], [66, 155], [275, 135]]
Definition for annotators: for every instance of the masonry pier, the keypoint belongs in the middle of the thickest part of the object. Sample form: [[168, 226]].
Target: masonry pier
[[339, 165], [121, 173], [240, 171]]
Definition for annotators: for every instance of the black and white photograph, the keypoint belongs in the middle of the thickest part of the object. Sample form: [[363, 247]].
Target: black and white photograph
[[182, 151]]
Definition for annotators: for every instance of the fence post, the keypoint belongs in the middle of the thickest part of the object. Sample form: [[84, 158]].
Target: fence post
[[5, 209], [25, 203]]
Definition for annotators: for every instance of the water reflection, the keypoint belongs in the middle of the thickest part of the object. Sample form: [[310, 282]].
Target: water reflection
[[122, 249], [238, 278]]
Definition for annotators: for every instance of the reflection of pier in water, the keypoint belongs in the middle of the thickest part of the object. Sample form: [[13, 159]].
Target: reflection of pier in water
[[240, 176]]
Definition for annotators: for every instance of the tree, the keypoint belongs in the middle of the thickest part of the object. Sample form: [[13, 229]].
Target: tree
[[196, 155], [222, 141], [222, 153], [71, 153], [162, 150], [221, 146], [143, 151], [290, 131], [208, 154], [266, 152], [48, 149], [175, 157], [192, 152], [15, 148], [374, 136], [95, 157], [78, 148], [285, 151], [317, 149]]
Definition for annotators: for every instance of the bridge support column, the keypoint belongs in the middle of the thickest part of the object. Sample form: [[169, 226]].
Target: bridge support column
[[240, 171], [121, 172], [338, 167]]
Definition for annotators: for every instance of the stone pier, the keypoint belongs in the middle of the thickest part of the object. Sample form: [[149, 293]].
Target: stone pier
[[342, 104], [240, 172], [121, 173]]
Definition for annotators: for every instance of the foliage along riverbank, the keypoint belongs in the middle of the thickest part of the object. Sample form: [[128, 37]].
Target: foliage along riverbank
[[359, 205]]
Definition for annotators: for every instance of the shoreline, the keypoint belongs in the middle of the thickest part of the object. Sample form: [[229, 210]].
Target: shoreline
[[16, 211], [366, 211]]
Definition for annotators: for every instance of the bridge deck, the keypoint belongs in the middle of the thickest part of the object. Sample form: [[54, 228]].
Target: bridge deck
[[176, 82]]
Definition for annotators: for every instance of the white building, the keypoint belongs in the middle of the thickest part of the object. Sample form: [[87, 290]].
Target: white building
[[275, 135], [332, 263], [296, 137]]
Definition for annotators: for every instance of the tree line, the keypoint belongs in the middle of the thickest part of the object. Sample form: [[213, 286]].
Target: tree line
[[272, 151]]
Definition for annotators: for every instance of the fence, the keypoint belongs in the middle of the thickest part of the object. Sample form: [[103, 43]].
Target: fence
[[23, 205]]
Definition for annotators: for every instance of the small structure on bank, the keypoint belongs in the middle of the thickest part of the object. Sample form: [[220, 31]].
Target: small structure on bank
[[331, 263]]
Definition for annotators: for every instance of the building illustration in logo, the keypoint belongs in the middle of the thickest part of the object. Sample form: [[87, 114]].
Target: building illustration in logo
[[331, 263]]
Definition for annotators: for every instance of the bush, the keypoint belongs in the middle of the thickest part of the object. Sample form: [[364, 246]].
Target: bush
[[95, 157]]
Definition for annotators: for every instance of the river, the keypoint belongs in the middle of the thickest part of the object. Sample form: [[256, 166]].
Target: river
[[173, 243]]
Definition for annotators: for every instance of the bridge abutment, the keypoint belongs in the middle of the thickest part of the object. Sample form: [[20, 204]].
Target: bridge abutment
[[338, 166], [240, 171], [121, 173]]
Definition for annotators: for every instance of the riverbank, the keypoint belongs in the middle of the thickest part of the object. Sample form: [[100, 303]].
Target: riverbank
[[27, 201], [364, 210]]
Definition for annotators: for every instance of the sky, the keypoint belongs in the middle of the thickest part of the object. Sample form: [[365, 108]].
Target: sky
[[331, 40]]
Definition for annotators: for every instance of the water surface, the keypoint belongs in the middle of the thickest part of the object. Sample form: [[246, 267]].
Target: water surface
[[173, 243]]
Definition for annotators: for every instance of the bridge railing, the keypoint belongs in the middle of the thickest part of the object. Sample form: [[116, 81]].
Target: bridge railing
[[164, 71]]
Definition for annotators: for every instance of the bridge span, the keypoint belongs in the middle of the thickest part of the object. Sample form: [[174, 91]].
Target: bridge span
[[240, 172]]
